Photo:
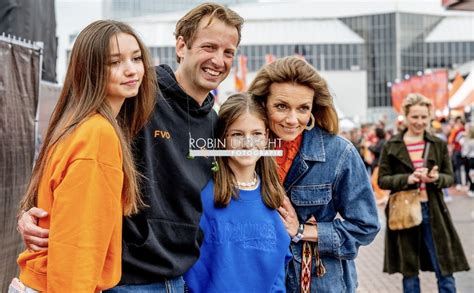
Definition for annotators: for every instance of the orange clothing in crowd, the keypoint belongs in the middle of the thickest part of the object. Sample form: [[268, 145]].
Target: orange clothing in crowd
[[81, 189]]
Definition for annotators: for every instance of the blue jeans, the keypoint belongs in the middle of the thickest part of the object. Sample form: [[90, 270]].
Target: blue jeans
[[27, 290], [16, 287], [445, 283], [457, 162], [169, 286]]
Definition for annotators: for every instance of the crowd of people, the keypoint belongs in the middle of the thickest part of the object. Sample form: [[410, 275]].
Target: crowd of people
[[369, 139], [119, 202]]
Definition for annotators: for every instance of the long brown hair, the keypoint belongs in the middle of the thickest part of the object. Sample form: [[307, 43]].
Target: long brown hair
[[188, 25], [224, 179], [84, 94], [296, 70]]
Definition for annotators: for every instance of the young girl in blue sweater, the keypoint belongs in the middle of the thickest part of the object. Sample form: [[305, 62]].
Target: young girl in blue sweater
[[246, 246]]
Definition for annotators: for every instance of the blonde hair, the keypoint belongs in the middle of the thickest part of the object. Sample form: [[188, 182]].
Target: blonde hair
[[188, 25], [224, 179], [84, 94], [415, 99], [296, 70]]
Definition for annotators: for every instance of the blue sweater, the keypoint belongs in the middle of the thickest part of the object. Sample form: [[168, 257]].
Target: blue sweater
[[245, 248]]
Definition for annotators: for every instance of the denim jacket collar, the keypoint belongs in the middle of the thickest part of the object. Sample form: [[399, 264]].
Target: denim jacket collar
[[312, 146]]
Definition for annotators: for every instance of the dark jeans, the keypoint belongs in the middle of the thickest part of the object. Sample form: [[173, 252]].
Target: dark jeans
[[470, 166], [445, 283], [169, 286], [457, 161], [467, 168]]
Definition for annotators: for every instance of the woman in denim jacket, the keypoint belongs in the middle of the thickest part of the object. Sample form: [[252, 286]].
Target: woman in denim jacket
[[330, 210]]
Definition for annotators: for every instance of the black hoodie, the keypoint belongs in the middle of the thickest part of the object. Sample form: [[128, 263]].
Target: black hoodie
[[163, 240]]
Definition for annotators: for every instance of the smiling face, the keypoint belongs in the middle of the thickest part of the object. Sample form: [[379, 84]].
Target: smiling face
[[207, 61], [248, 132], [418, 118], [126, 68], [289, 108]]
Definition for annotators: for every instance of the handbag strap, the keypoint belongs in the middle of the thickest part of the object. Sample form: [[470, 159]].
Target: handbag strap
[[425, 154], [426, 150]]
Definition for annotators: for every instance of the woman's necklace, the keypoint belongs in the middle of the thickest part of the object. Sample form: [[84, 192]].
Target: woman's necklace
[[247, 184]]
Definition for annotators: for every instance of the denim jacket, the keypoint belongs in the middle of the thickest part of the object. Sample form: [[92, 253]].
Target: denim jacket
[[328, 180]]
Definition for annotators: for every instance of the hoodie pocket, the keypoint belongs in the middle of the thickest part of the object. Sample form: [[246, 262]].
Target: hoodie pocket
[[173, 243]]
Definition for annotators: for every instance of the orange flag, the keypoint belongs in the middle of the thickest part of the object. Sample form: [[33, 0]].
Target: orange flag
[[238, 82], [240, 74]]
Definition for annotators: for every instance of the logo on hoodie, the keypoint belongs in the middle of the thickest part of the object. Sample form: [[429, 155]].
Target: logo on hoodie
[[162, 133]]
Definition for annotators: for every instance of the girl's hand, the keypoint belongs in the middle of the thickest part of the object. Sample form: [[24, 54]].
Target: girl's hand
[[289, 217]]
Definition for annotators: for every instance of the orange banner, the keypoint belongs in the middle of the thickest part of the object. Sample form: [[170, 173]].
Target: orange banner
[[433, 86], [399, 92], [441, 94]]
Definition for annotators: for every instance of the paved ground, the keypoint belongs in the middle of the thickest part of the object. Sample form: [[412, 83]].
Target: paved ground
[[370, 260]]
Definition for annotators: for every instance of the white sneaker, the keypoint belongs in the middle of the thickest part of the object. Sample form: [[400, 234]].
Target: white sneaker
[[470, 193], [448, 198], [458, 187]]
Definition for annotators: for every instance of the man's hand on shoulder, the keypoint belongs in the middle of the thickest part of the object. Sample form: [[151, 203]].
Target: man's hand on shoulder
[[34, 237]]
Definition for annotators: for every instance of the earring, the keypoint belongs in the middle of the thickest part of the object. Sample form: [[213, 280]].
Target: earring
[[311, 125]]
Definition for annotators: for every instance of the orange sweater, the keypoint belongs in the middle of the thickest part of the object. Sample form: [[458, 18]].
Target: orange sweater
[[81, 189]]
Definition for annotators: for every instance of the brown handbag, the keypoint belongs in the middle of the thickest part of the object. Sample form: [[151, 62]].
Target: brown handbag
[[404, 208]]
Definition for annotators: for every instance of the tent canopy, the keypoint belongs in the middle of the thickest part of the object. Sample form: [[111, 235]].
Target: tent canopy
[[346, 124], [465, 94]]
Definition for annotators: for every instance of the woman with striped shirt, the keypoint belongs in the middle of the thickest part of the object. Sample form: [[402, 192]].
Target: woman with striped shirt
[[433, 245]]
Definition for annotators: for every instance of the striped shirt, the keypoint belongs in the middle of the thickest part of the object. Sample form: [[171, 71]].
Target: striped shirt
[[415, 150]]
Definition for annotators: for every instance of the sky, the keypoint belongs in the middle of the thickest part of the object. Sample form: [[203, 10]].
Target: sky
[[71, 17]]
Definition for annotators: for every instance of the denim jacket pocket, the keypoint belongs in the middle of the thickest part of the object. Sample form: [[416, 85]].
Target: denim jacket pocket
[[309, 200], [311, 195]]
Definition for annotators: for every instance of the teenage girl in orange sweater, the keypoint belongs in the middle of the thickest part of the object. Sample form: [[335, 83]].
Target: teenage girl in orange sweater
[[85, 176]]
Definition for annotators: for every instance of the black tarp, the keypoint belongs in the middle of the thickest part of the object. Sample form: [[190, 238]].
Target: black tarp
[[19, 83], [33, 20]]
